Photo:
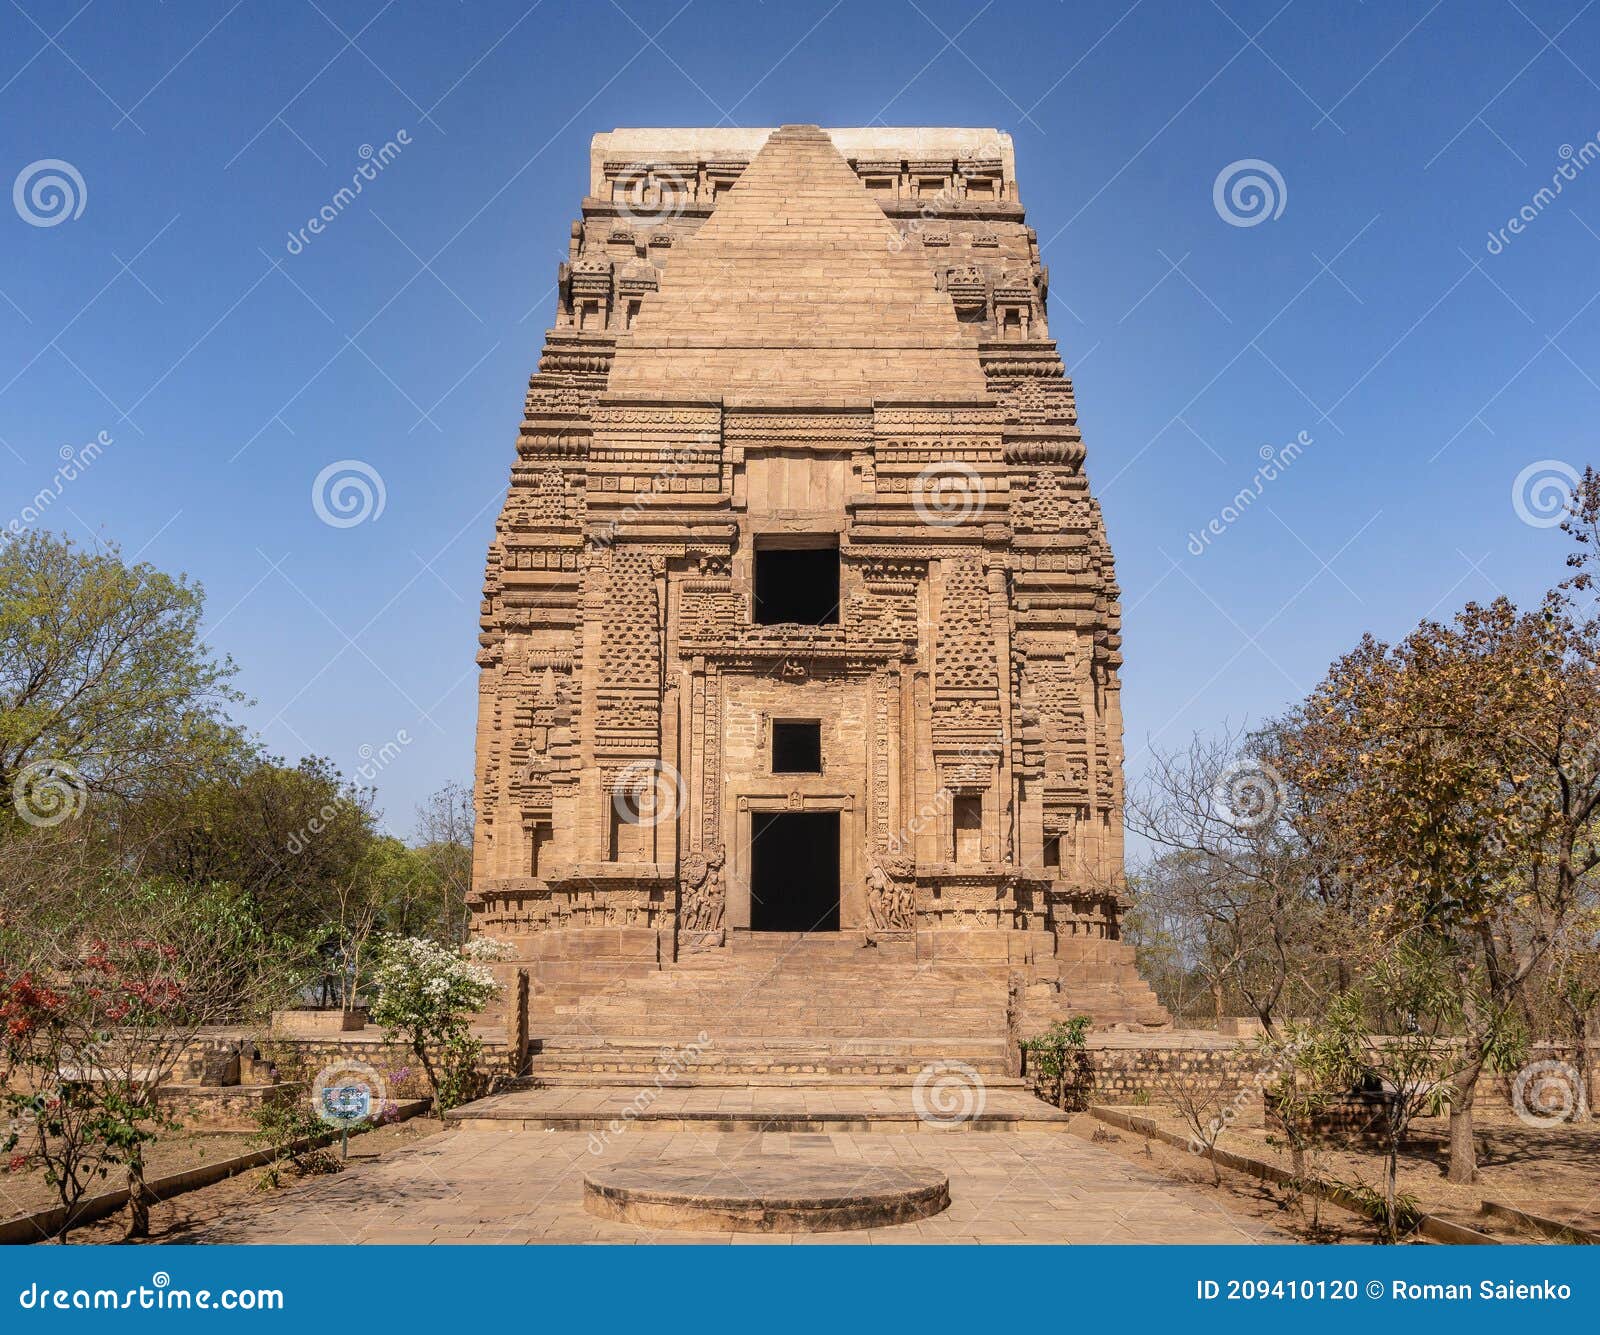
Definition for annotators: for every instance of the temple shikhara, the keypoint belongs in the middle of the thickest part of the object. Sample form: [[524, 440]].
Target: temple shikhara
[[799, 712]]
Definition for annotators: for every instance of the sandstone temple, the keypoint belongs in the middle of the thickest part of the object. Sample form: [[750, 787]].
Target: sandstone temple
[[799, 714]]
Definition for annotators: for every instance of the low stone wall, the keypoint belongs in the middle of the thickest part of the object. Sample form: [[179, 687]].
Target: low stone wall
[[1146, 1068], [254, 1059], [1150, 1067], [224, 1108], [296, 1058]]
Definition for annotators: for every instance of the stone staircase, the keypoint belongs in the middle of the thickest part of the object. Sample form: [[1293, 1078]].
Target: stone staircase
[[780, 1005]]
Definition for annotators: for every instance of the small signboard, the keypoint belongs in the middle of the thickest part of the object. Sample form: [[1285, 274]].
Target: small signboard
[[347, 1103]]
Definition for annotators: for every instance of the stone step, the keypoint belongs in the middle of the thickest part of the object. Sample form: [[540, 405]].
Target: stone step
[[610, 1111], [741, 1079], [740, 1075], [774, 1056], [816, 945], [729, 1010], [766, 1043], [667, 1029], [885, 993], [717, 1003]]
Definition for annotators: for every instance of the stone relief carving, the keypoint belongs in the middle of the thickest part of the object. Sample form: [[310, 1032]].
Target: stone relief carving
[[890, 899]]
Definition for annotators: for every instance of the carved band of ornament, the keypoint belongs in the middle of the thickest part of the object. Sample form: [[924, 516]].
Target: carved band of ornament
[[1021, 359], [573, 338], [684, 416], [575, 362], [557, 401], [1013, 358], [842, 439], [984, 449], [690, 451], [846, 421], [861, 659], [541, 557], [973, 417], [732, 641], [532, 446], [1069, 452]]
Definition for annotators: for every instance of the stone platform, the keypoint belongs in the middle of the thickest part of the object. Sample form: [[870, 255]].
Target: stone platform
[[775, 1195], [477, 1187], [995, 1104]]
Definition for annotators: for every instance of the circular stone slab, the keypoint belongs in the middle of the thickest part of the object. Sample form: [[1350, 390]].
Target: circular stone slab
[[752, 1196]]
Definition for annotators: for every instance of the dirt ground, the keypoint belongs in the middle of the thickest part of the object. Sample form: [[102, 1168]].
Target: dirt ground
[[169, 1220], [1553, 1171]]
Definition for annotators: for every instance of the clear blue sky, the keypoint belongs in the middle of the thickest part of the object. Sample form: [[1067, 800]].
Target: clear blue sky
[[1370, 313]]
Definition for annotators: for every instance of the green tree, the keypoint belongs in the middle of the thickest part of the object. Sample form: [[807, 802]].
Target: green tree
[[1456, 778], [292, 838], [103, 670], [1412, 1066]]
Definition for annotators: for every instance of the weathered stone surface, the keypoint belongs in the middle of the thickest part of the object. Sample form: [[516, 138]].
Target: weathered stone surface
[[763, 1195], [484, 1187], [803, 339], [804, 1103]]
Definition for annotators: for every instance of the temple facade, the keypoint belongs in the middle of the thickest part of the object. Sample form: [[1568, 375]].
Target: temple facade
[[800, 616]]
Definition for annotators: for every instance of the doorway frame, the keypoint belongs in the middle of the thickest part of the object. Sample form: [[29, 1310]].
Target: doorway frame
[[852, 889]]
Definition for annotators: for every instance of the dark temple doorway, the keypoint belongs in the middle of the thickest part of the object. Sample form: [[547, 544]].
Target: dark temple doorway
[[794, 871]]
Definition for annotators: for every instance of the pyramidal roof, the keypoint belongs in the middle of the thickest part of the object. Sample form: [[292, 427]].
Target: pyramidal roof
[[797, 289]]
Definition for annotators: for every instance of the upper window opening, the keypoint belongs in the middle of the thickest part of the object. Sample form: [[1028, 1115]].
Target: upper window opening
[[797, 586]]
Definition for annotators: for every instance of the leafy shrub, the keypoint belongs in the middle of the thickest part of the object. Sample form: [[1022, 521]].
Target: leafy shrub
[[297, 1138], [1059, 1061]]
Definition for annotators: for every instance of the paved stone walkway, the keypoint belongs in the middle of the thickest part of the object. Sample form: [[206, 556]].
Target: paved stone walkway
[[474, 1186]]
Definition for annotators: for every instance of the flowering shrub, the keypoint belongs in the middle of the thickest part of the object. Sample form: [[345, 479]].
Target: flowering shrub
[[95, 1018], [79, 1108], [427, 996]]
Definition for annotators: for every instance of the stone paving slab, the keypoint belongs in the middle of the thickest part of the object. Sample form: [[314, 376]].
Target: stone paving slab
[[509, 1187]]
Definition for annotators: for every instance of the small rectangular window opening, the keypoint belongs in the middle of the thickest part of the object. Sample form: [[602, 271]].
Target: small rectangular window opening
[[797, 748]]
